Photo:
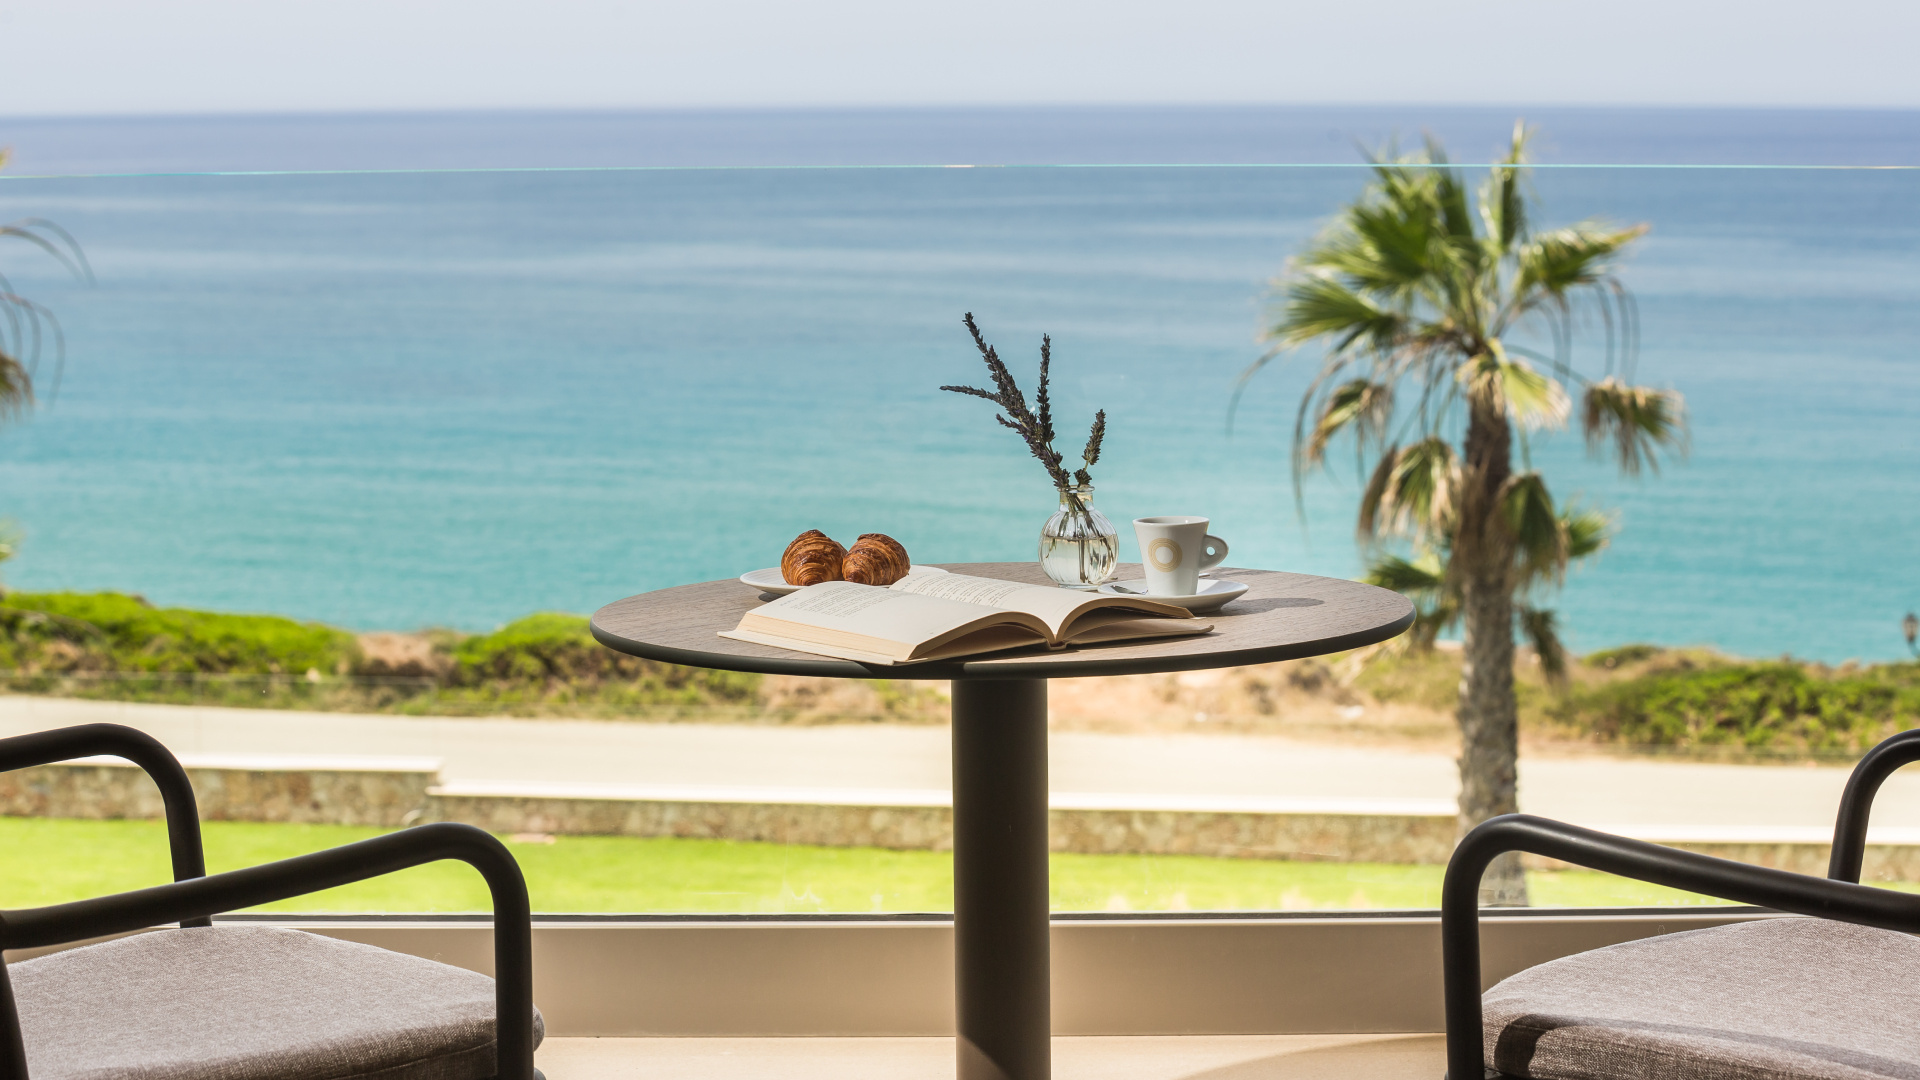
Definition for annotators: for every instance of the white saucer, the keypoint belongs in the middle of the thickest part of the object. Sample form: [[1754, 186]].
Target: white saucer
[[1214, 594], [770, 581]]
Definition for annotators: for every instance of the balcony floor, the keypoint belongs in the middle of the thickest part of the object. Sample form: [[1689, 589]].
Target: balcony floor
[[1146, 1057]]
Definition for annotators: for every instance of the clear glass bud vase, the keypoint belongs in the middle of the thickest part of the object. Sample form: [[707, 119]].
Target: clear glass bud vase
[[1079, 548]]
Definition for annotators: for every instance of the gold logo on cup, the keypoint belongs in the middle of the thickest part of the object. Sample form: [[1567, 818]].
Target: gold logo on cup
[[1164, 554]]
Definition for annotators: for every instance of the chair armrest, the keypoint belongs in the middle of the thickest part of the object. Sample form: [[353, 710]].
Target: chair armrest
[[115, 740], [1856, 804], [201, 897], [1723, 878]]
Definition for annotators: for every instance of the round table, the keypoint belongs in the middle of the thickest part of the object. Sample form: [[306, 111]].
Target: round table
[[1000, 896]]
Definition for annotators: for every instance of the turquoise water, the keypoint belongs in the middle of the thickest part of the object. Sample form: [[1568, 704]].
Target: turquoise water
[[406, 399]]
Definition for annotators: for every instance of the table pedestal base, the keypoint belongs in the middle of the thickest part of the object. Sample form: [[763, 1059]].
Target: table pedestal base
[[1000, 897]]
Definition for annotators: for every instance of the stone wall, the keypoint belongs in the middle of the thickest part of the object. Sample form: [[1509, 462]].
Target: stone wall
[[1883, 862], [392, 793], [906, 828], [1318, 836], [362, 793]]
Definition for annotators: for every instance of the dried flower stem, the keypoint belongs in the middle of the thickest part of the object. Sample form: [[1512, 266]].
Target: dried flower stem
[[1035, 430]]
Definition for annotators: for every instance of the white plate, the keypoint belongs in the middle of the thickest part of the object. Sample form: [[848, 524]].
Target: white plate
[[1214, 594], [770, 581]]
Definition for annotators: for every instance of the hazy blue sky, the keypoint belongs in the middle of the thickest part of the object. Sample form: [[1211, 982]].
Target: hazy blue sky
[[143, 56]]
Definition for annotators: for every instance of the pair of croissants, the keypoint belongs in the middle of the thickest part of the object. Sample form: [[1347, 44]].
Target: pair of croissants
[[814, 557]]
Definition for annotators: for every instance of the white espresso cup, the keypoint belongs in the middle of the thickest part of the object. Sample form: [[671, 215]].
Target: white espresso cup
[[1174, 550]]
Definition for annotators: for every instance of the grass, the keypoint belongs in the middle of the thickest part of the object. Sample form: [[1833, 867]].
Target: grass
[[46, 861]]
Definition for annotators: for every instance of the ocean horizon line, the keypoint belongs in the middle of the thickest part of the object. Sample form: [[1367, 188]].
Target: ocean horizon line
[[1363, 165], [1068, 136]]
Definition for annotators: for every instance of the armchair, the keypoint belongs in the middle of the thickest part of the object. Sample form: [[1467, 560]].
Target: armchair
[[240, 1002], [1824, 997]]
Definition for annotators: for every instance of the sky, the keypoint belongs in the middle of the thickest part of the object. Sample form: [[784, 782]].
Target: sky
[[129, 57]]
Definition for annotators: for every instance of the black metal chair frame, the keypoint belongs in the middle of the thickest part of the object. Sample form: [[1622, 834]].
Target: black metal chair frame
[[1837, 896], [194, 897]]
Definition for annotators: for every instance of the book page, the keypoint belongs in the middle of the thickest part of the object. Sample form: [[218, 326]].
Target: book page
[[894, 625], [870, 611], [873, 619], [970, 643], [1097, 627], [1054, 606]]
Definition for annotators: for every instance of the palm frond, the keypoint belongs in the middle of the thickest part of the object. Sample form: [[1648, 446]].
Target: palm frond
[[1534, 528], [1636, 421], [52, 239], [1362, 404], [1541, 629], [1449, 195], [1503, 206], [1404, 236], [1588, 532], [25, 327], [1320, 305], [1563, 259], [1424, 580], [1413, 491], [1384, 247], [1421, 576], [1516, 388], [16, 385]]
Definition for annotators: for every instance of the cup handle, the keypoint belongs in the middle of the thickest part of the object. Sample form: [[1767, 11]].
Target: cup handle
[[1213, 552]]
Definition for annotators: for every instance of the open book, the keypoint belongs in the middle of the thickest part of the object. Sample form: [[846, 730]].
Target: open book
[[940, 616]]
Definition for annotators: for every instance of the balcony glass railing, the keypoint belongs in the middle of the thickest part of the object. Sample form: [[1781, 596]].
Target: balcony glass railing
[[409, 410]]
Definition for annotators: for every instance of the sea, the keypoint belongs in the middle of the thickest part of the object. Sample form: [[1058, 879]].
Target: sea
[[392, 371]]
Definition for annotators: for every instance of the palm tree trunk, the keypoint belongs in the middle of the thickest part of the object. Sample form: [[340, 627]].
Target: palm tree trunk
[[1489, 727], [1488, 714]]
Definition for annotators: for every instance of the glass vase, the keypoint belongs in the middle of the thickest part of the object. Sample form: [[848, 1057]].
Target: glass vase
[[1079, 548]]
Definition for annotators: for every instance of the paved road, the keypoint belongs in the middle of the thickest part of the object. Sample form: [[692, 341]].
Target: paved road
[[1590, 790]]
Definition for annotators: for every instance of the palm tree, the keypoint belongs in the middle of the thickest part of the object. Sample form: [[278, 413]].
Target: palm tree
[[28, 327], [1419, 291]]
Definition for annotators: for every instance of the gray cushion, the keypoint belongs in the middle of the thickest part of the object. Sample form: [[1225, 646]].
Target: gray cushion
[[1802, 998], [251, 1003]]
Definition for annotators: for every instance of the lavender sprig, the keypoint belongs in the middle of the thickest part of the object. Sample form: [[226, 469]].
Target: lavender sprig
[[1046, 407], [1035, 430], [1091, 455]]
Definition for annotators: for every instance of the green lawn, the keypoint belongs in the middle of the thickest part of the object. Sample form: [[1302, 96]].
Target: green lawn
[[44, 861]]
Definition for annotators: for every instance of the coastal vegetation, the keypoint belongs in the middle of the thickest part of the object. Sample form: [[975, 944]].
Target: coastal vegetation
[[1447, 325], [121, 647], [1701, 702], [1636, 698]]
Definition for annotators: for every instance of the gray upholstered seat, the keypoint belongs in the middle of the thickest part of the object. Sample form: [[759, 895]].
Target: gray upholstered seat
[[1800, 998], [251, 1003]]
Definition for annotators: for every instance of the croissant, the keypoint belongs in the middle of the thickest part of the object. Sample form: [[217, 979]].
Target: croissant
[[812, 558], [876, 559]]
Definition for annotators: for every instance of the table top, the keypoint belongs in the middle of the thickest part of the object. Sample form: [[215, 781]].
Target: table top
[[1282, 617]]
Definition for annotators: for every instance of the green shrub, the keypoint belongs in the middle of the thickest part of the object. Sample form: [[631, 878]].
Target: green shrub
[[119, 647], [101, 632], [551, 655], [1754, 706], [1621, 656]]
